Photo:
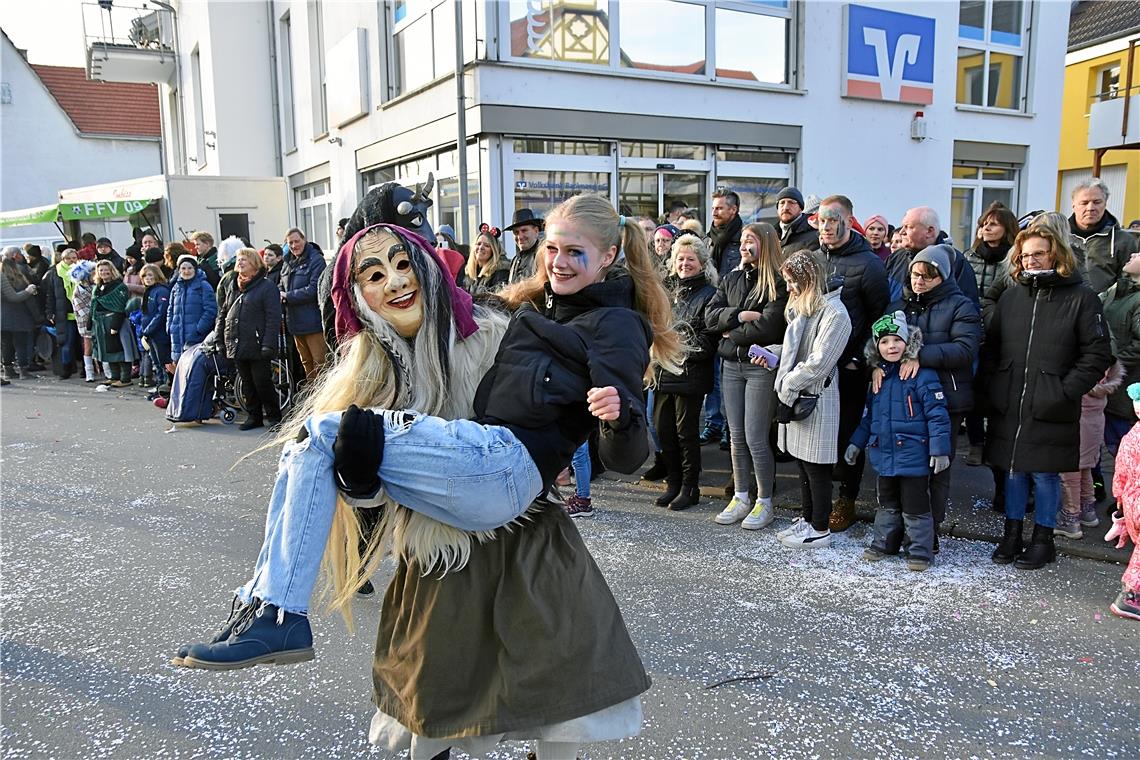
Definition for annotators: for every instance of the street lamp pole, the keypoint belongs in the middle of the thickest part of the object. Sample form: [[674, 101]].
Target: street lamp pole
[[461, 123]]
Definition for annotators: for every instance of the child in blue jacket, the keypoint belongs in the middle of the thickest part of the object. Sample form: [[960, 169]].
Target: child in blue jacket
[[906, 431]]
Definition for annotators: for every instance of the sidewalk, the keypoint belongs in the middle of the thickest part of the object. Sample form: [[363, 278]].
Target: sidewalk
[[969, 515]]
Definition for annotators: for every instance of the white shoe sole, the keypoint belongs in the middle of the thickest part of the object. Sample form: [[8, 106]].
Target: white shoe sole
[[1072, 534], [729, 519], [799, 543], [758, 524]]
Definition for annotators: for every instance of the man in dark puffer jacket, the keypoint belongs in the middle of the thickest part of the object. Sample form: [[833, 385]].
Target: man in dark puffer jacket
[[865, 295]]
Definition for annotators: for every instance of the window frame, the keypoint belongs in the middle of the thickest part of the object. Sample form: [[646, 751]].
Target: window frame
[[199, 107], [978, 183], [313, 201], [318, 86], [418, 9], [790, 12], [285, 79], [986, 46]]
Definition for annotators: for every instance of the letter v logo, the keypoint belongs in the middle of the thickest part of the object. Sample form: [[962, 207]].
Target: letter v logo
[[890, 72]]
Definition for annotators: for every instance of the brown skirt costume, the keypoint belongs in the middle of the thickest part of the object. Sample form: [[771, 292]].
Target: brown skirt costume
[[526, 635]]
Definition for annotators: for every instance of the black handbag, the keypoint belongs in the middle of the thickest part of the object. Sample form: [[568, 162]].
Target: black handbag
[[797, 412]]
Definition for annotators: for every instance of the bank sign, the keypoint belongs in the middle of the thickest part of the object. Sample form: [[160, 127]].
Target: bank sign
[[887, 55]]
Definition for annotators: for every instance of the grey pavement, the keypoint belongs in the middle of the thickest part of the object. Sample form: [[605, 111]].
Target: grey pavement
[[119, 541]]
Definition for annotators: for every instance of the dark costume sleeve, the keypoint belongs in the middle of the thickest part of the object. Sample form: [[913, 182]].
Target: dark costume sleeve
[[618, 356]]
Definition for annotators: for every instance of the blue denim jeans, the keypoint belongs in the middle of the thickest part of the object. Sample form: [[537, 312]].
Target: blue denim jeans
[[1046, 492], [583, 469], [714, 415], [649, 421], [467, 475]]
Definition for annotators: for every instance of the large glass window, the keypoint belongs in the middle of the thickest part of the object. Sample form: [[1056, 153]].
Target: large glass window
[[752, 47], [543, 190], [575, 31], [562, 147], [319, 90], [649, 38], [993, 36], [662, 150], [423, 41], [314, 213], [757, 196], [973, 189], [739, 41]]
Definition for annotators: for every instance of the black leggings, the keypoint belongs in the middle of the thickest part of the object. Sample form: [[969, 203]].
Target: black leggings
[[815, 486]]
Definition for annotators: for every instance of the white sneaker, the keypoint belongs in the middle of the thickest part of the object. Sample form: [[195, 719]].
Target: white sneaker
[[733, 513], [795, 526], [761, 516], [807, 537]]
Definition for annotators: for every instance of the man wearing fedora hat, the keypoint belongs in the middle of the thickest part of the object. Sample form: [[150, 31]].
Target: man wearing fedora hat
[[527, 229]]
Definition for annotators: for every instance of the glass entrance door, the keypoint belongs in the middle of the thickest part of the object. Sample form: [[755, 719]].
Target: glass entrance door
[[654, 193]]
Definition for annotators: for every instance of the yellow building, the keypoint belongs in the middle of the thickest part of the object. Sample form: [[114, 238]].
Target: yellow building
[[1096, 76]]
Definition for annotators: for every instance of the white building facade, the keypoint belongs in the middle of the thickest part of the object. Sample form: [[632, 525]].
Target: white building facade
[[651, 103]]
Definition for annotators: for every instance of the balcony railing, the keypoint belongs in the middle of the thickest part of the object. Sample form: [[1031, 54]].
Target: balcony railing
[[129, 43]]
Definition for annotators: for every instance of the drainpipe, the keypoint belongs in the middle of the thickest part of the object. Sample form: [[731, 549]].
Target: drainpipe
[[461, 120], [271, 26]]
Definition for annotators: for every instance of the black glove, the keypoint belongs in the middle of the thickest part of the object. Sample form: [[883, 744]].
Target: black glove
[[268, 352], [358, 451]]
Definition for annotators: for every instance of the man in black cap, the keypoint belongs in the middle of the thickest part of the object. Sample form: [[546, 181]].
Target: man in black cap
[[527, 229], [795, 232], [104, 251]]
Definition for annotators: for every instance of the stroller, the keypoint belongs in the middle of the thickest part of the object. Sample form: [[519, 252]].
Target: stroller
[[280, 373], [199, 388]]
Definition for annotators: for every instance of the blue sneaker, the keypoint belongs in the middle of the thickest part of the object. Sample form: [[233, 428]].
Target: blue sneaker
[[262, 634]]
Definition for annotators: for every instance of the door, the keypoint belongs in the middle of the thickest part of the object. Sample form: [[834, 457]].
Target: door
[[231, 224]]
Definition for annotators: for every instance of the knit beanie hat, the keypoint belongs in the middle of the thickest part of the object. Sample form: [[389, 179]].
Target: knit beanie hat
[[891, 324], [938, 256], [1134, 394], [793, 193], [671, 230], [152, 255], [188, 258], [103, 241]]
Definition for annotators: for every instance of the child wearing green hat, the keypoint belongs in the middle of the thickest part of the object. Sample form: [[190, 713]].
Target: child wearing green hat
[[906, 431]]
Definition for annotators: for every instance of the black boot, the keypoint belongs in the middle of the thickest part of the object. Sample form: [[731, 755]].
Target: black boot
[[658, 471], [672, 461], [1010, 545], [672, 489], [1041, 550], [689, 496]]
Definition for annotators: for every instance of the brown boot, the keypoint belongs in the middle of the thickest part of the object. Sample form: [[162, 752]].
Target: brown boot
[[842, 514]]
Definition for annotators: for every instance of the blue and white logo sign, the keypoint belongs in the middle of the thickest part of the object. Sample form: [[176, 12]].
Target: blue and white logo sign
[[888, 55]]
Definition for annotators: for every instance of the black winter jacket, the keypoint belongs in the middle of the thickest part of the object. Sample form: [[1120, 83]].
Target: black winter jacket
[[724, 245], [1046, 346], [524, 262], [734, 296], [548, 360], [989, 264], [951, 338], [799, 236], [865, 291], [898, 269], [299, 277], [56, 305], [249, 320], [691, 298]]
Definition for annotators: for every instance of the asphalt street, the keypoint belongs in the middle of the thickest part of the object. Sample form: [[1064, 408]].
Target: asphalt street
[[120, 540]]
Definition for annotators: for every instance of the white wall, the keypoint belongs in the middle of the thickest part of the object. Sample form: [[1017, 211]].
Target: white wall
[[41, 152], [233, 45]]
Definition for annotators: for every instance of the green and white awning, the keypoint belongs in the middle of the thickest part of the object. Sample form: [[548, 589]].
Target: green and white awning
[[26, 216]]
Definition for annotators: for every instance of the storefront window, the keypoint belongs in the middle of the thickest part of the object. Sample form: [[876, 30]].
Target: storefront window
[[757, 196], [562, 147], [423, 42], [689, 189], [993, 36], [662, 150], [649, 38], [447, 207], [543, 190]]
